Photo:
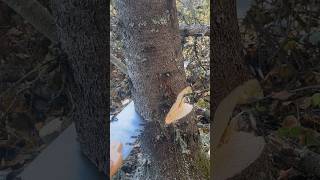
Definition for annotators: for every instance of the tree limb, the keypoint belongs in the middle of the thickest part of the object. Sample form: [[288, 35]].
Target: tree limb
[[117, 62]]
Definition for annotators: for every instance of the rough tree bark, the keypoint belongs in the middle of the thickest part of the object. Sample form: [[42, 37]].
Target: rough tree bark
[[227, 66], [154, 58], [83, 31], [228, 71]]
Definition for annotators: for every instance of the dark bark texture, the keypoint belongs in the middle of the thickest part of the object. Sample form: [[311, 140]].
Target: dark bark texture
[[228, 70], [227, 66], [83, 31], [152, 46]]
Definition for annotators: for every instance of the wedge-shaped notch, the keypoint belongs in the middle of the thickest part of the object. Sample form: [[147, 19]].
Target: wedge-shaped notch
[[115, 157], [180, 108]]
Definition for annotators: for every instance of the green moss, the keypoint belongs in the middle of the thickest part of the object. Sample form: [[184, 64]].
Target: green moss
[[203, 163], [159, 20]]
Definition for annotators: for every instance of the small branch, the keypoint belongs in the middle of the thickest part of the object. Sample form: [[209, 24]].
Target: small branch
[[37, 68], [194, 30], [117, 62]]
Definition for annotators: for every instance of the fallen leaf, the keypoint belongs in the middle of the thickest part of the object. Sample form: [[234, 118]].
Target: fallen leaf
[[293, 132], [202, 103], [125, 102], [284, 174], [248, 91], [180, 108], [115, 157], [53, 126], [39, 125], [290, 122], [287, 103], [304, 103], [282, 95], [316, 100]]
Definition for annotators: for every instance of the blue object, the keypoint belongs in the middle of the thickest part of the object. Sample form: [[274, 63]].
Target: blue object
[[127, 126], [62, 160]]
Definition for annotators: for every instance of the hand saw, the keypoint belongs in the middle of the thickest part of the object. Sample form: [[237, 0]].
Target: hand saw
[[124, 131]]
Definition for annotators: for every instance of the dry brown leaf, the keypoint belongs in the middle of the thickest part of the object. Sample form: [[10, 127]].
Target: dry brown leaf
[[241, 151], [249, 90], [115, 157], [282, 95], [304, 103], [284, 174], [180, 108], [287, 103], [290, 122]]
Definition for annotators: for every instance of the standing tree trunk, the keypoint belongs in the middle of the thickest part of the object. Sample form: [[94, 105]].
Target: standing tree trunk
[[228, 71], [83, 31], [154, 58], [227, 66]]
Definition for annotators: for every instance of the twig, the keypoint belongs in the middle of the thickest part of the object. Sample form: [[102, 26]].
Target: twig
[[37, 68], [305, 88]]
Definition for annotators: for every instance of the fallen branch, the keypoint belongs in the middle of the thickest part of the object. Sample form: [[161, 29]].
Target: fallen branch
[[39, 17], [117, 62], [194, 30]]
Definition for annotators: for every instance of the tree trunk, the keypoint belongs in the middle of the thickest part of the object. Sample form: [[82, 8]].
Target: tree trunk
[[227, 66], [228, 71], [83, 31], [155, 67]]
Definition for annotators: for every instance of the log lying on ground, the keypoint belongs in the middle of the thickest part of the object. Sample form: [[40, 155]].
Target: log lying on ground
[[41, 19]]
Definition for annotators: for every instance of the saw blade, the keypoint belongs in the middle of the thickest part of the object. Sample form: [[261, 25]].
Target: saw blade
[[126, 128]]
